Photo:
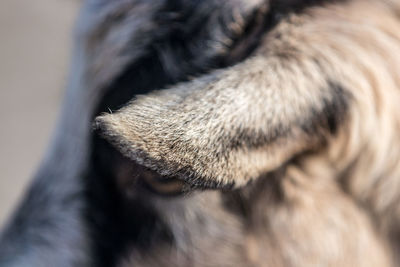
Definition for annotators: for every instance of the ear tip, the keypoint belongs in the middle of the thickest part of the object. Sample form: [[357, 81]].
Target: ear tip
[[106, 127], [150, 154], [102, 125]]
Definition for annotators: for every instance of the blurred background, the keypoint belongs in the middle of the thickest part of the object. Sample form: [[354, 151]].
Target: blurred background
[[35, 42]]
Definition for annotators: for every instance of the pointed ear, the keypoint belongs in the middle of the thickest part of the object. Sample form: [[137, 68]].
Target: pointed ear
[[231, 126]]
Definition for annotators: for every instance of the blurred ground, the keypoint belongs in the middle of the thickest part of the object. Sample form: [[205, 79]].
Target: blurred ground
[[35, 40]]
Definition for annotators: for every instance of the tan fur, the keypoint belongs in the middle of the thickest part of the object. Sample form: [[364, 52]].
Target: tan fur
[[339, 203]]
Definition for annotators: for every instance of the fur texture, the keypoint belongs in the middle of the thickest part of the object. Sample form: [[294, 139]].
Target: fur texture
[[248, 133]]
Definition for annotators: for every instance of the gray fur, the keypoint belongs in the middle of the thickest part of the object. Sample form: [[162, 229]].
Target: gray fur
[[288, 110]]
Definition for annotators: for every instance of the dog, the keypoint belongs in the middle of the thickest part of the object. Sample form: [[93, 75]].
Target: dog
[[222, 133]]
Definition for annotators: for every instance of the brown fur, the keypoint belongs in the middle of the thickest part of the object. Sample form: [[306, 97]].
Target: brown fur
[[286, 155], [335, 200]]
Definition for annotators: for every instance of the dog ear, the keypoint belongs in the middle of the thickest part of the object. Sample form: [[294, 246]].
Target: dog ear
[[231, 126]]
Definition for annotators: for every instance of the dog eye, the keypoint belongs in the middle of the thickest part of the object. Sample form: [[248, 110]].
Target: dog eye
[[163, 185]]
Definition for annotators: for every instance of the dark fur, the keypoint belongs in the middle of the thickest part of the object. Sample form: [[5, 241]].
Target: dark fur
[[89, 203]]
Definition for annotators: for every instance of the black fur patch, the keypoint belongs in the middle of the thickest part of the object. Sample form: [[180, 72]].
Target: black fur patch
[[333, 114], [93, 200]]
